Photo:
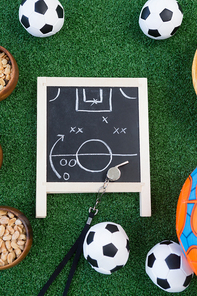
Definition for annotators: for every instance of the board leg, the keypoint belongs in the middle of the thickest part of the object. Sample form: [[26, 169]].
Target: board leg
[[41, 194], [145, 201], [41, 204]]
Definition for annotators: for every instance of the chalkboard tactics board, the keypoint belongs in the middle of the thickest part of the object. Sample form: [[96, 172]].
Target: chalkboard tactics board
[[84, 127]]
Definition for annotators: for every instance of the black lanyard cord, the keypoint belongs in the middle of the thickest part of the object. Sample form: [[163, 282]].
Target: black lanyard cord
[[77, 247]]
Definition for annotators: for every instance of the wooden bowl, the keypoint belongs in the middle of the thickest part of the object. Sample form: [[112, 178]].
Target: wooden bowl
[[194, 72], [1, 156], [4, 93], [29, 235]]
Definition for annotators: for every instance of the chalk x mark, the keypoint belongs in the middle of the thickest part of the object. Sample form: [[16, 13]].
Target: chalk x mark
[[123, 130], [80, 130], [93, 101], [104, 119], [116, 130], [72, 129]]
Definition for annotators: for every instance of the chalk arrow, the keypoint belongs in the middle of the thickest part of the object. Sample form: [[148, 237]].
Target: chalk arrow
[[61, 138]]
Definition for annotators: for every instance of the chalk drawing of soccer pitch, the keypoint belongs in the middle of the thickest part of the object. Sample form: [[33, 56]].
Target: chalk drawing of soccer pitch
[[75, 158], [84, 127], [88, 99]]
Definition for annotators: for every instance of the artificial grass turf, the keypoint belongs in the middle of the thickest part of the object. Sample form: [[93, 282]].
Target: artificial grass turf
[[99, 39]]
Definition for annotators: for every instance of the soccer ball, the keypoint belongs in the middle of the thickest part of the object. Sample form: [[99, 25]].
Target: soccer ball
[[160, 19], [41, 18], [167, 267], [106, 247], [186, 215]]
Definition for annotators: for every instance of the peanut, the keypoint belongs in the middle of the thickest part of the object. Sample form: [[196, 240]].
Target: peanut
[[2, 230]]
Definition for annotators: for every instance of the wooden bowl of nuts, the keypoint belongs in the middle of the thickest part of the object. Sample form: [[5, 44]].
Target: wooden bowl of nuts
[[16, 237], [9, 73]]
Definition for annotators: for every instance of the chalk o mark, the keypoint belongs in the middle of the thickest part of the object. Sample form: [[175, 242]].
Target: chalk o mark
[[58, 93], [72, 163], [63, 162], [93, 154], [66, 176]]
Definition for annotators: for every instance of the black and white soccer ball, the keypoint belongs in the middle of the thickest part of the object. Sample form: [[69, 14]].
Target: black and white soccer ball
[[167, 267], [106, 247], [41, 18], [160, 19]]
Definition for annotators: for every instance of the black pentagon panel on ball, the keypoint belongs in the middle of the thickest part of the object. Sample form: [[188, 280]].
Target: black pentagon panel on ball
[[116, 268], [163, 283], [46, 29], [166, 242], [154, 33], [112, 228], [145, 13], [90, 237], [25, 22], [93, 262], [60, 11], [109, 250], [22, 2], [174, 31], [187, 280], [41, 7], [166, 15], [151, 260], [173, 261]]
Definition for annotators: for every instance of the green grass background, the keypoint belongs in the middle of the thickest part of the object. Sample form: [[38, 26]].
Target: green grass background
[[100, 38]]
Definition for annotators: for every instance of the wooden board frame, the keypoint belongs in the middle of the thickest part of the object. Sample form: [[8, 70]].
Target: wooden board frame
[[43, 187]]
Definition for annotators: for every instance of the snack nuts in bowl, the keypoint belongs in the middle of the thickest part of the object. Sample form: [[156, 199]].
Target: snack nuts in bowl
[[9, 73], [16, 237]]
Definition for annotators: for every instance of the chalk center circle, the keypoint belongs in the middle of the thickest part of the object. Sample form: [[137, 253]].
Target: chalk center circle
[[83, 152]]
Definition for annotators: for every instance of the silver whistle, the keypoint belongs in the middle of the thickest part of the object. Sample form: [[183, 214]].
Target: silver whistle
[[114, 173]]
